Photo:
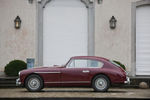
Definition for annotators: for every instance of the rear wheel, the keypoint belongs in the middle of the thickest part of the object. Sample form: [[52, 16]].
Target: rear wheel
[[34, 83], [100, 83]]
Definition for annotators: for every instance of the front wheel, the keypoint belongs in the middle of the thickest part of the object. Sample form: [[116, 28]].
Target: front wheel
[[34, 83], [100, 83]]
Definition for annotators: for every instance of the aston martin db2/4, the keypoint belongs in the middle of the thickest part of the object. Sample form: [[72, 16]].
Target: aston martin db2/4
[[91, 71]]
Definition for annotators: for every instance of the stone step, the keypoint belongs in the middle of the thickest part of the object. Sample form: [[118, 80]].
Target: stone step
[[7, 85], [8, 81], [137, 80]]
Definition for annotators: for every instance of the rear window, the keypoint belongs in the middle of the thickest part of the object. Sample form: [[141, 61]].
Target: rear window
[[118, 64], [114, 63]]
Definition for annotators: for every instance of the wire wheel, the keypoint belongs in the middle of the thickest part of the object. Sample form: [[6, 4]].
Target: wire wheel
[[101, 83], [34, 83]]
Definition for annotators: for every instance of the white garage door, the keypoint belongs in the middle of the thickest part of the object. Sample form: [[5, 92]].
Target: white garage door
[[143, 40], [64, 31]]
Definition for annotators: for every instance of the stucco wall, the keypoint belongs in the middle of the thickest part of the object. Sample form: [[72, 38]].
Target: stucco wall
[[21, 43], [114, 44]]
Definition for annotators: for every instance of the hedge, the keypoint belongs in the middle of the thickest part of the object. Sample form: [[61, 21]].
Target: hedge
[[13, 67]]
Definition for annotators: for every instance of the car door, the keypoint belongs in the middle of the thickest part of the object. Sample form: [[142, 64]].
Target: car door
[[51, 76], [76, 73]]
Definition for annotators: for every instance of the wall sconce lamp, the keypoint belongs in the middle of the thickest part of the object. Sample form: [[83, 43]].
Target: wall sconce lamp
[[112, 22], [17, 22], [91, 1], [99, 1], [30, 1]]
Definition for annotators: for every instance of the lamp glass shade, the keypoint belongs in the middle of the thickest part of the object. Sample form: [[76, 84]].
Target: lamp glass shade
[[17, 22], [112, 22]]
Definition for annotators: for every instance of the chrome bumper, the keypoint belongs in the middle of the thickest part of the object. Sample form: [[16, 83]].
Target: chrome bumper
[[18, 83], [127, 81]]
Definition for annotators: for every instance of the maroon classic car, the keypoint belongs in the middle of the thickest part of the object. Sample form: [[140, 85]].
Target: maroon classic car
[[97, 72]]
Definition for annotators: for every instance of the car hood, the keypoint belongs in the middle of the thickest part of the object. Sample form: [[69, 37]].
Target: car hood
[[41, 69]]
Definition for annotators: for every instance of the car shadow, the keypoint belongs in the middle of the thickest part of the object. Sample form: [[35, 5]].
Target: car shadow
[[79, 91]]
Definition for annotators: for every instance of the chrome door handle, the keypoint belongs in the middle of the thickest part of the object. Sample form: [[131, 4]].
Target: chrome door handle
[[85, 71]]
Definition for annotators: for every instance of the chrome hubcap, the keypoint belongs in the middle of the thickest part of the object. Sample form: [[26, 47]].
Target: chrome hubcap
[[34, 83], [100, 83]]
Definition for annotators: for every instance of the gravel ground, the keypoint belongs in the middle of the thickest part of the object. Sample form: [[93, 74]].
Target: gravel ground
[[74, 93]]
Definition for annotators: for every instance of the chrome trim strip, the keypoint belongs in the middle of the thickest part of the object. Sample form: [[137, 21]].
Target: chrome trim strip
[[127, 81], [19, 74], [47, 72], [85, 71], [70, 82], [84, 67], [18, 83]]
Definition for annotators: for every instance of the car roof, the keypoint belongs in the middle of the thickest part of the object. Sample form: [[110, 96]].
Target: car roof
[[89, 57]]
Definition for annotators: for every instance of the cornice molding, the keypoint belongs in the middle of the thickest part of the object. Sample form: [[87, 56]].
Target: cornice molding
[[86, 2]]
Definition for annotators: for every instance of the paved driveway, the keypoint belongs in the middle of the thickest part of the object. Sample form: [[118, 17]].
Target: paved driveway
[[74, 93]]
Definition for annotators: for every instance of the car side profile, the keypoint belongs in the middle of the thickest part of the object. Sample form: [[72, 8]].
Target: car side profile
[[91, 71]]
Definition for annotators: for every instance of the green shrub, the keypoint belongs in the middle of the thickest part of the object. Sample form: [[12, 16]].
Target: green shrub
[[13, 67], [121, 65]]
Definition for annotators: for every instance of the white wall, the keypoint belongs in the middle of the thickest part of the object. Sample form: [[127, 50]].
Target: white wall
[[21, 43], [114, 44]]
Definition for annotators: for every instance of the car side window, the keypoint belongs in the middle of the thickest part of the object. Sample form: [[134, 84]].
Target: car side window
[[77, 63], [82, 63], [95, 63]]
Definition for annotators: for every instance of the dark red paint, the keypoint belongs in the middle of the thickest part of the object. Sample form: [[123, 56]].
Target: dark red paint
[[73, 76]]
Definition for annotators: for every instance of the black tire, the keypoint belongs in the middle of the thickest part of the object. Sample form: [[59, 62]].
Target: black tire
[[100, 83], [34, 83]]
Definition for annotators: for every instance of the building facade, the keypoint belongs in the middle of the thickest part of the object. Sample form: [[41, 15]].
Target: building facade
[[54, 30]]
